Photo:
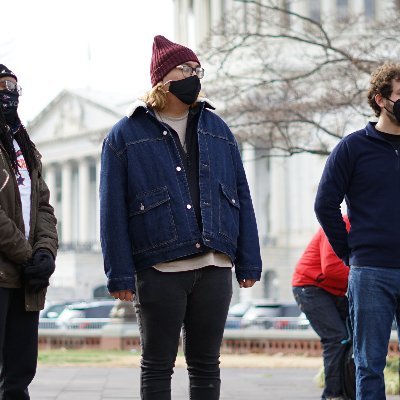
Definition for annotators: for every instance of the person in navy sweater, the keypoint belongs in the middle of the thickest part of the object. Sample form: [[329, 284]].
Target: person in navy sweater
[[364, 169]]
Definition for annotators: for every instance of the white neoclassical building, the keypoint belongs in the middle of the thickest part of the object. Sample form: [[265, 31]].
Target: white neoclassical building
[[69, 134]]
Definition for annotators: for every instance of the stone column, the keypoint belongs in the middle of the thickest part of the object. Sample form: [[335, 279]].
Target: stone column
[[50, 179], [84, 200], [249, 164], [66, 198], [202, 18]]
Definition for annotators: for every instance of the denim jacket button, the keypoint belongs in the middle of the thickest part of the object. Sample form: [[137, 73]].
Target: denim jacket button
[[188, 206], [165, 133], [198, 245], [178, 169], [233, 201]]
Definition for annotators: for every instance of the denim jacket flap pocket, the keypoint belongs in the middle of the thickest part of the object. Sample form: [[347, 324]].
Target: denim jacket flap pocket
[[151, 221], [229, 211], [148, 200], [230, 195]]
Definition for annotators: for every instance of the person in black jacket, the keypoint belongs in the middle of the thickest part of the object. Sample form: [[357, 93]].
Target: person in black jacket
[[28, 245], [364, 169]]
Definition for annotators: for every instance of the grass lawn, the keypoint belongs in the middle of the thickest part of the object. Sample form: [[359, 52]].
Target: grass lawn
[[64, 357]]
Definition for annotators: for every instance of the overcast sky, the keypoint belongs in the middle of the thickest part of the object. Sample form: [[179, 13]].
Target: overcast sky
[[104, 45]]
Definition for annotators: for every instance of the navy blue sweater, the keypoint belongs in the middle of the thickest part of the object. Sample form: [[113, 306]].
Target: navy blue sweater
[[363, 169]]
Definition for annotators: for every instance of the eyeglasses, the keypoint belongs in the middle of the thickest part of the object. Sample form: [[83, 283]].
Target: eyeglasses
[[11, 86], [187, 71]]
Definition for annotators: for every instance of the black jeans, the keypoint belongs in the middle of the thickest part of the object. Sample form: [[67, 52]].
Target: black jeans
[[18, 344], [327, 315], [195, 301]]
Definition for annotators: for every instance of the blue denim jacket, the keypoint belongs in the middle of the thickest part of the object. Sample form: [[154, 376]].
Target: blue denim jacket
[[145, 205]]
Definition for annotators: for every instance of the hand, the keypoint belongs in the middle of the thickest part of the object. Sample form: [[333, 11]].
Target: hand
[[126, 295], [246, 283], [37, 272]]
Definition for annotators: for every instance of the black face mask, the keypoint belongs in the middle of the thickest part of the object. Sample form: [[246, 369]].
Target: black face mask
[[9, 104], [186, 90], [396, 109]]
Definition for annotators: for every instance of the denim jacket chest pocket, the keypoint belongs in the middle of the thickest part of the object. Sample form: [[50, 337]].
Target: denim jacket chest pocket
[[151, 222], [229, 210]]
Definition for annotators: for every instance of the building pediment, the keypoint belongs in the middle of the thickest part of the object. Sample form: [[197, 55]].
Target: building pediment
[[73, 114]]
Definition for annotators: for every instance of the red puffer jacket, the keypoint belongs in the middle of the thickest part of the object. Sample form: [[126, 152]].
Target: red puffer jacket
[[320, 266]]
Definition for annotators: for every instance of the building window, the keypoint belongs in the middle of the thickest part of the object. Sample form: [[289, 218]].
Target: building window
[[315, 10], [369, 9], [245, 16], [285, 18], [342, 8], [223, 16]]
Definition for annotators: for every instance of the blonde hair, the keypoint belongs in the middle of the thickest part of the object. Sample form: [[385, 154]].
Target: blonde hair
[[156, 97]]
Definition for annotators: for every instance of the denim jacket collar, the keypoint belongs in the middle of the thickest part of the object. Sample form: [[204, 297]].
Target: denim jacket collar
[[141, 104]]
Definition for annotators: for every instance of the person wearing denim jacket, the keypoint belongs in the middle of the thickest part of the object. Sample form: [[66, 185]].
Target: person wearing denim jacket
[[176, 216], [364, 169]]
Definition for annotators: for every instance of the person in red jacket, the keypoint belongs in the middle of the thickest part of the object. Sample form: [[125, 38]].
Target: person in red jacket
[[319, 287]]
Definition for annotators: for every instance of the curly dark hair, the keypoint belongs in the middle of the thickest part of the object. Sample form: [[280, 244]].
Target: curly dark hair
[[381, 83]]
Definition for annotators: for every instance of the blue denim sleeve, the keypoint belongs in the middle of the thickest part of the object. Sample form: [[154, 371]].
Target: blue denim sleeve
[[114, 220], [248, 262], [332, 189]]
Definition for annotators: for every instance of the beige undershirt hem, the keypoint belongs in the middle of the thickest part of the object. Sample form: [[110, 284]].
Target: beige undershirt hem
[[189, 264]]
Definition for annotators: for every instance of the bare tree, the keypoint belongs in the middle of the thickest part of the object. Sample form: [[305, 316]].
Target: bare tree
[[291, 84]]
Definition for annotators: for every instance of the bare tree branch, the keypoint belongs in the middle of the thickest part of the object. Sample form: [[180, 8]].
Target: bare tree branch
[[291, 84]]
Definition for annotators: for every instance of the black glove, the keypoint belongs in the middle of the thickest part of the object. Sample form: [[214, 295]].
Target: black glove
[[38, 271]]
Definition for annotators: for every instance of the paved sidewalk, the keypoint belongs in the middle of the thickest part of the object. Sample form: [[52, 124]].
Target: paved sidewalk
[[92, 383], [96, 383]]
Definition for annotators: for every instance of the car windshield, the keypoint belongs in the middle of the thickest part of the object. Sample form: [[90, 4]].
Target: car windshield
[[69, 313], [99, 311], [262, 311], [52, 311]]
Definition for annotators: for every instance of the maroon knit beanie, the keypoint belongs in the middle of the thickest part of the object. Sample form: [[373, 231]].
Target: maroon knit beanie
[[166, 56]]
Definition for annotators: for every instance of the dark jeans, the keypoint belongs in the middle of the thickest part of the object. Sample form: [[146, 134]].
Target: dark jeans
[[374, 296], [18, 343], [195, 301], [327, 315]]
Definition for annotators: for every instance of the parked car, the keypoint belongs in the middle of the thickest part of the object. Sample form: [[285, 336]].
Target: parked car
[[50, 313], [236, 313], [86, 315], [53, 310], [300, 322], [263, 314]]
